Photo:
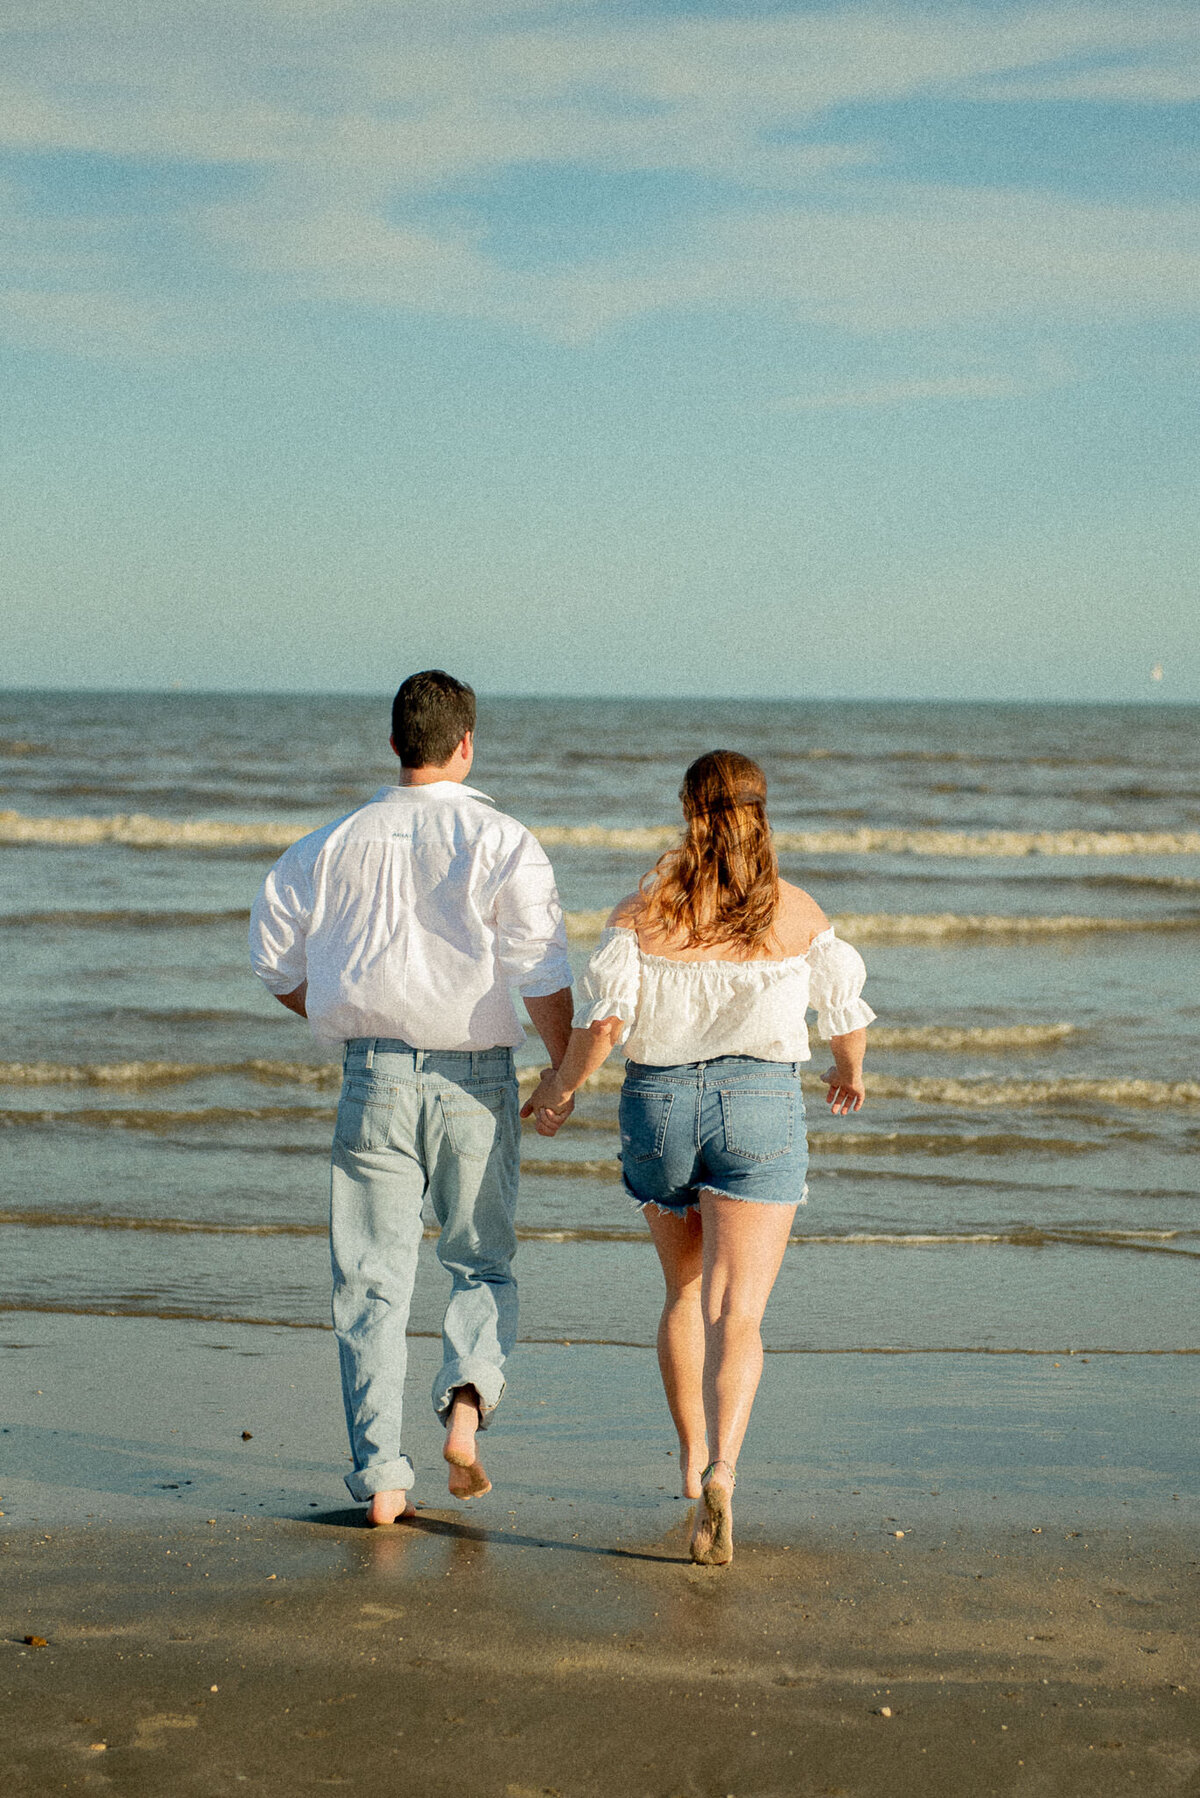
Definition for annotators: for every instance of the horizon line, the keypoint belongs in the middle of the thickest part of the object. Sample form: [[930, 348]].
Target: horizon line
[[179, 692]]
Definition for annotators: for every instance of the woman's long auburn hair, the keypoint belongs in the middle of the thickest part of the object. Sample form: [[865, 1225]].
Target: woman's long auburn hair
[[721, 885]]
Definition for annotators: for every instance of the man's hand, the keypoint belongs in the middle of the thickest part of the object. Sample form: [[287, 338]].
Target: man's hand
[[846, 1092], [294, 1001], [548, 1105]]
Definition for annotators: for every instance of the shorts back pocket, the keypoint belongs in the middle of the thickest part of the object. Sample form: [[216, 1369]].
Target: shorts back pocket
[[644, 1113], [759, 1126]]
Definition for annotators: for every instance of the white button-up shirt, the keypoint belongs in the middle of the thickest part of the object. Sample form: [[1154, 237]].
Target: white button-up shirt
[[414, 917]]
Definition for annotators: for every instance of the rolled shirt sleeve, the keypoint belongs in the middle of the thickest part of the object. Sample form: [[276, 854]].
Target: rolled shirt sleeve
[[611, 982], [279, 922], [838, 976], [531, 933]]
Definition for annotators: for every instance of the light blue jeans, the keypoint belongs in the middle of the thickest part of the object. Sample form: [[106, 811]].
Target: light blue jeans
[[411, 1123]]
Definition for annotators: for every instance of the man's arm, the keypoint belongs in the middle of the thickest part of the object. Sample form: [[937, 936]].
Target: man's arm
[[295, 1001], [278, 927], [551, 1018], [532, 942]]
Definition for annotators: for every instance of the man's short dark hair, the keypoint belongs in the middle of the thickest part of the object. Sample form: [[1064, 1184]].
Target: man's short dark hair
[[431, 714]]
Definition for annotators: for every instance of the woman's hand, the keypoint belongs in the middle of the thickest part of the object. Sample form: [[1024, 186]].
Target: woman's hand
[[846, 1091], [548, 1104], [553, 1100]]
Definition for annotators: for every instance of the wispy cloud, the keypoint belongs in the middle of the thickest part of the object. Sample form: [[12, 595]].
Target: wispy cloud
[[341, 113], [906, 392]]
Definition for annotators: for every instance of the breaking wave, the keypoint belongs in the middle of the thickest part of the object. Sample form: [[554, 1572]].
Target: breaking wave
[[141, 831], [903, 927], [909, 927], [930, 1090], [120, 920], [326, 1076], [971, 1037], [869, 840], [1179, 1243], [161, 1123]]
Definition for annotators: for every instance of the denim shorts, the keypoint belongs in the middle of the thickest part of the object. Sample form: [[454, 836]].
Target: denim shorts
[[733, 1126]]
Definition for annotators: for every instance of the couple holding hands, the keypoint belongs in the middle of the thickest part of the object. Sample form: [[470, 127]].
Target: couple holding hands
[[401, 931]]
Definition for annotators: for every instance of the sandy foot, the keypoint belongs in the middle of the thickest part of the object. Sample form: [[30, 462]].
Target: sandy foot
[[467, 1478], [712, 1539], [389, 1507], [467, 1482]]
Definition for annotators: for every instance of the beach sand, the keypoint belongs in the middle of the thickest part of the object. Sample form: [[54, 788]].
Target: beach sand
[[216, 1618]]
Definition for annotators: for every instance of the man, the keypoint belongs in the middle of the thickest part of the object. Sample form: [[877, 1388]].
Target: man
[[399, 931]]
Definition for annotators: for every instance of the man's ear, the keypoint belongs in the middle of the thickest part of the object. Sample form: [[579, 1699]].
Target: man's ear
[[392, 743]]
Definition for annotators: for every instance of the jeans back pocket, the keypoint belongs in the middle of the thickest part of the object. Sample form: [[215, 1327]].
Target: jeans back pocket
[[473, 1119], [759, 1126], [644, 1113], [364, 1114]]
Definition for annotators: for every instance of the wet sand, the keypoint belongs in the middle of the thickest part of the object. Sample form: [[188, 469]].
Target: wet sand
[[1032, 1630]]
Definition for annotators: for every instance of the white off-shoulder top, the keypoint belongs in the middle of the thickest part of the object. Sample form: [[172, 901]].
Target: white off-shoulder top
[[679, 1011]]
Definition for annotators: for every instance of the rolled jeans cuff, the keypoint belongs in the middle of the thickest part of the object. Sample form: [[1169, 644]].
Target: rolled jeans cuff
[[486, 1378], [382, 1476]]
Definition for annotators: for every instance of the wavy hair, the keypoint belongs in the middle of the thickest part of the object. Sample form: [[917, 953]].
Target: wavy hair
[[721, 885]]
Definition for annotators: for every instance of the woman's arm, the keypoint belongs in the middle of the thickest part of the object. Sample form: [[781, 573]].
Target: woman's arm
[[845, 1078], [554, 1098]]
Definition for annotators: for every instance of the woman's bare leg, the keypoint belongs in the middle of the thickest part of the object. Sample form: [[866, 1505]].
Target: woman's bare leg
[[681, 1336], [743, 1249]]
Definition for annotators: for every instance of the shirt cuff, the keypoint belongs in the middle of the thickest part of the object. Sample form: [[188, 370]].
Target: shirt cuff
[[278, 982], [549, 977], [840, 1020], [596, 1010]]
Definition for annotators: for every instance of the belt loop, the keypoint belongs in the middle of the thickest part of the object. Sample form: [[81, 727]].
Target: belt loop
[[371, 1053], [474, 1065], [418, 1060]]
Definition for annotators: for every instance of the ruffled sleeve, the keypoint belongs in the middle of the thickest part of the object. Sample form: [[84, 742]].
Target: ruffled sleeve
[[611, 982], [835, 993]]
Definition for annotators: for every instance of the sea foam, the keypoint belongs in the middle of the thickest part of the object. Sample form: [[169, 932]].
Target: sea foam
[[141, 831]]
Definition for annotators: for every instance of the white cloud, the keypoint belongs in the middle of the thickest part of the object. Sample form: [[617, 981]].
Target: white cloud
[[1167, 84], [338, 108], [905, 392]]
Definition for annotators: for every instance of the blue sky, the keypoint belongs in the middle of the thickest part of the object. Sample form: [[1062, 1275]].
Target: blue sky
[[827, 349]]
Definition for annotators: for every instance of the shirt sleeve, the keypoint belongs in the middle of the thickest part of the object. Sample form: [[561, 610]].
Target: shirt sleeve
[[279, 921], [531, 931], [835, 993], [611, 982]]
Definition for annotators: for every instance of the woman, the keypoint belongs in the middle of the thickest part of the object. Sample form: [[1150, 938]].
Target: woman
[[705, 974]]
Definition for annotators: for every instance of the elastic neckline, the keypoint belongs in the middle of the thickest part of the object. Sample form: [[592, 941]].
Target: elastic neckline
[[778, 961]]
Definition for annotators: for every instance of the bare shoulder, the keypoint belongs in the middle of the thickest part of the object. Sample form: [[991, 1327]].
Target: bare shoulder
[[624, 914], [799, 919]]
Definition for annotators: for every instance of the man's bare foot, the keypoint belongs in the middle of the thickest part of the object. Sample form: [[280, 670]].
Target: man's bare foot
[[712, 1538], [389, 1507], [467, 1478], [691, 1466]]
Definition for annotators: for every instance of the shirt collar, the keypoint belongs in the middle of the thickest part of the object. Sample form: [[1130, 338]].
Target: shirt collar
[[444, 789]]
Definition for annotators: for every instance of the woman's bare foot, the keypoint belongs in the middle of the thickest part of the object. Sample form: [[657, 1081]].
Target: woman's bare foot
[[467, 1478], [389, 1507], [712, 1538], [691, 1466]]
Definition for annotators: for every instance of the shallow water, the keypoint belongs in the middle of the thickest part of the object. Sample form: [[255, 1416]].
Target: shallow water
[[1024, 883]]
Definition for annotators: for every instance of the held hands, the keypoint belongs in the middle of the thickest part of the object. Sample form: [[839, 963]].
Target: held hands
[[548, 1105], [846, 1092]]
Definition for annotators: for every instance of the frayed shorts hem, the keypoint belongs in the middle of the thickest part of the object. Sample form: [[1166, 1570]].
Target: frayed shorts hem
[[718, 1192]]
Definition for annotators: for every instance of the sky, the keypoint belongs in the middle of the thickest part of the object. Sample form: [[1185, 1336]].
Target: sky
[[731, 349]]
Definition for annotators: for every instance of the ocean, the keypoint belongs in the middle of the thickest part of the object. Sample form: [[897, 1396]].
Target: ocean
[[1023, 881]]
